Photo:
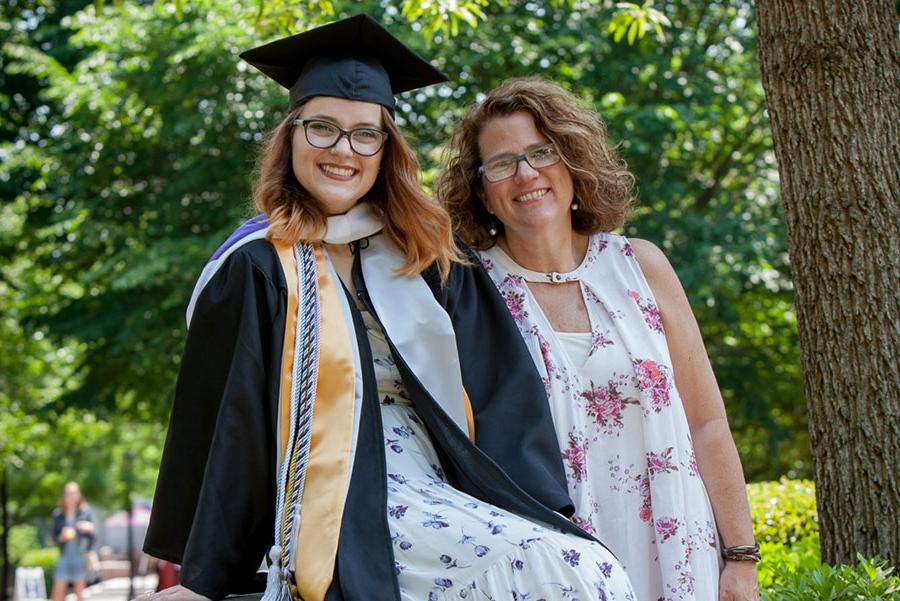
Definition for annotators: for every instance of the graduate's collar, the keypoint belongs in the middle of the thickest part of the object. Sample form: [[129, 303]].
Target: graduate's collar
[[362, 221]]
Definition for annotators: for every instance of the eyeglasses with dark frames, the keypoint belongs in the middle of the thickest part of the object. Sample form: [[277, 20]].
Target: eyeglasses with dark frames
[[504, 167], [364, 141]]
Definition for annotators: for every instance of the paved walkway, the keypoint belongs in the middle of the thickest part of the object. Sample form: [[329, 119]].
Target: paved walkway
[[116, 589]]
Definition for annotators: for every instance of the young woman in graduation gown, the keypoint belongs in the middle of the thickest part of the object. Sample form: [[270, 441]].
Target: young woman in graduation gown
[[336, 378]]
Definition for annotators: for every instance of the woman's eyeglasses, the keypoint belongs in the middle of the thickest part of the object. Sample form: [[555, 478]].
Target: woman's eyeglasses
[[505, 167], [364, 141]]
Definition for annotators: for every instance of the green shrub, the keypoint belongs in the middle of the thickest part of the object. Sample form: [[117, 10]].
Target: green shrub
[[784, 512], [870, 580], [43, 558], [786, 524], [802, 556], [22, 538]]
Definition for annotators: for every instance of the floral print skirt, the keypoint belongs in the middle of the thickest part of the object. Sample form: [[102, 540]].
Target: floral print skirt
[[449, 545]]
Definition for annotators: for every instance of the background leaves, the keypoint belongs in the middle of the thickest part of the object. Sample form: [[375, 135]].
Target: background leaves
[[128, 133]]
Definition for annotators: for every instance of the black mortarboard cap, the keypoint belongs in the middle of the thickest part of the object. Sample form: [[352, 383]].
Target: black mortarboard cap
[[355, 58]]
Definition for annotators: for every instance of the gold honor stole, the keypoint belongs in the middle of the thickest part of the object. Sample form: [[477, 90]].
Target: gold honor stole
[[329, 464]]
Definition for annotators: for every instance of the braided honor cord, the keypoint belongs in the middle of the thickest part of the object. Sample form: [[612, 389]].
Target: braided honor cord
[[292, 476]]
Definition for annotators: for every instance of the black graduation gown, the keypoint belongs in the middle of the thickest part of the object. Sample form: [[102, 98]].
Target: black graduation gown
[[214, 506]]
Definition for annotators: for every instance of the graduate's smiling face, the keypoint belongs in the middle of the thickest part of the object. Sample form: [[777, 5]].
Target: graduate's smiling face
[[337, 177]]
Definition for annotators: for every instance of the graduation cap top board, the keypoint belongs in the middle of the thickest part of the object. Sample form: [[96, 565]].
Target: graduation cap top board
[[355, 58]]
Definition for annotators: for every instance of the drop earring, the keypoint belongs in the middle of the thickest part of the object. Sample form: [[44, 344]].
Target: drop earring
[[493, 229]]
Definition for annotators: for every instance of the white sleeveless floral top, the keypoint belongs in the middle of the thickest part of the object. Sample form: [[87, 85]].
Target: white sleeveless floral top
[[621, 424]]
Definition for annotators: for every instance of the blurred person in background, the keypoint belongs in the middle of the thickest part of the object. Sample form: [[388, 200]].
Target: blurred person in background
[[73, 531]]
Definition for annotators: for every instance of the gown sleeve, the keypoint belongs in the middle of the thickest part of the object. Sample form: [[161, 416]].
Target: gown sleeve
[[213, 511], [513, 424]]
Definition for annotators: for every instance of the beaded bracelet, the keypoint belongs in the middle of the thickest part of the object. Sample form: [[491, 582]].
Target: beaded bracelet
[[741, 553]]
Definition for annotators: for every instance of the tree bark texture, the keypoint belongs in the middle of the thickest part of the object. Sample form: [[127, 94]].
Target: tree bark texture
[[5, 583], [831, 72]]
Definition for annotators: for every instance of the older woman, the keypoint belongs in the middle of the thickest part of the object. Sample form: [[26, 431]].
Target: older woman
[[533, 183], [316, 412]]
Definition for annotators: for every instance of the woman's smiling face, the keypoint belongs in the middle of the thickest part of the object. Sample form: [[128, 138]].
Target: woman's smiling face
[[337, 177], [532, 200]]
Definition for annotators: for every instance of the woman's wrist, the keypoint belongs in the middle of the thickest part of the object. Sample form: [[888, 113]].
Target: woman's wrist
[[741, 567], [741, 553]]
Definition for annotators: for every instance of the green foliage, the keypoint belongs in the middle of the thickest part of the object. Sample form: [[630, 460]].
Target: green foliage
[[42, 558], [870, 579], [129, 156], [42, 451], [778, 559], [430, 17], [22, 539], [636, 20], [784, 512], [132, 181], [786, 524], [445, 16]]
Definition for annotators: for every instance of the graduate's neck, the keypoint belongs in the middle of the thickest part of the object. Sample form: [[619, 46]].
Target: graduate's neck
[[339, 250], [341, 256]]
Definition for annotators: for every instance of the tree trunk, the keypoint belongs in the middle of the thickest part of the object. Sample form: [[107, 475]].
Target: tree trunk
[[831, 72], [5, 583]]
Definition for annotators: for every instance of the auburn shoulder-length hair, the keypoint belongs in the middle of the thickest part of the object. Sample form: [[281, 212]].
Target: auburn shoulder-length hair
[[414, 222], [602, 183]]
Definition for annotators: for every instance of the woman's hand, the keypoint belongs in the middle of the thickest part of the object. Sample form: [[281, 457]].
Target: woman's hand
[[173, 593], [84, 526], [67, 534], [738, 582]]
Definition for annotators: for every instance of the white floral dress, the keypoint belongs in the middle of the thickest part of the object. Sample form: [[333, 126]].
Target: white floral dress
[[621, 424], [449, 545]]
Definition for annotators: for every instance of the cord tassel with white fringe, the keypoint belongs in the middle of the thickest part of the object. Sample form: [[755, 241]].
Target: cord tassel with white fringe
[[276, 587]]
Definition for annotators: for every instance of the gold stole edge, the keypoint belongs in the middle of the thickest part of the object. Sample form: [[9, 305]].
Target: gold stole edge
[[327, 473], [470, 417], [289, 265]]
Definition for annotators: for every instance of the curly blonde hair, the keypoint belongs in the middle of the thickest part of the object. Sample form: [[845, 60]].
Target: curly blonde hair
[[602, 183], [414, 222]]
